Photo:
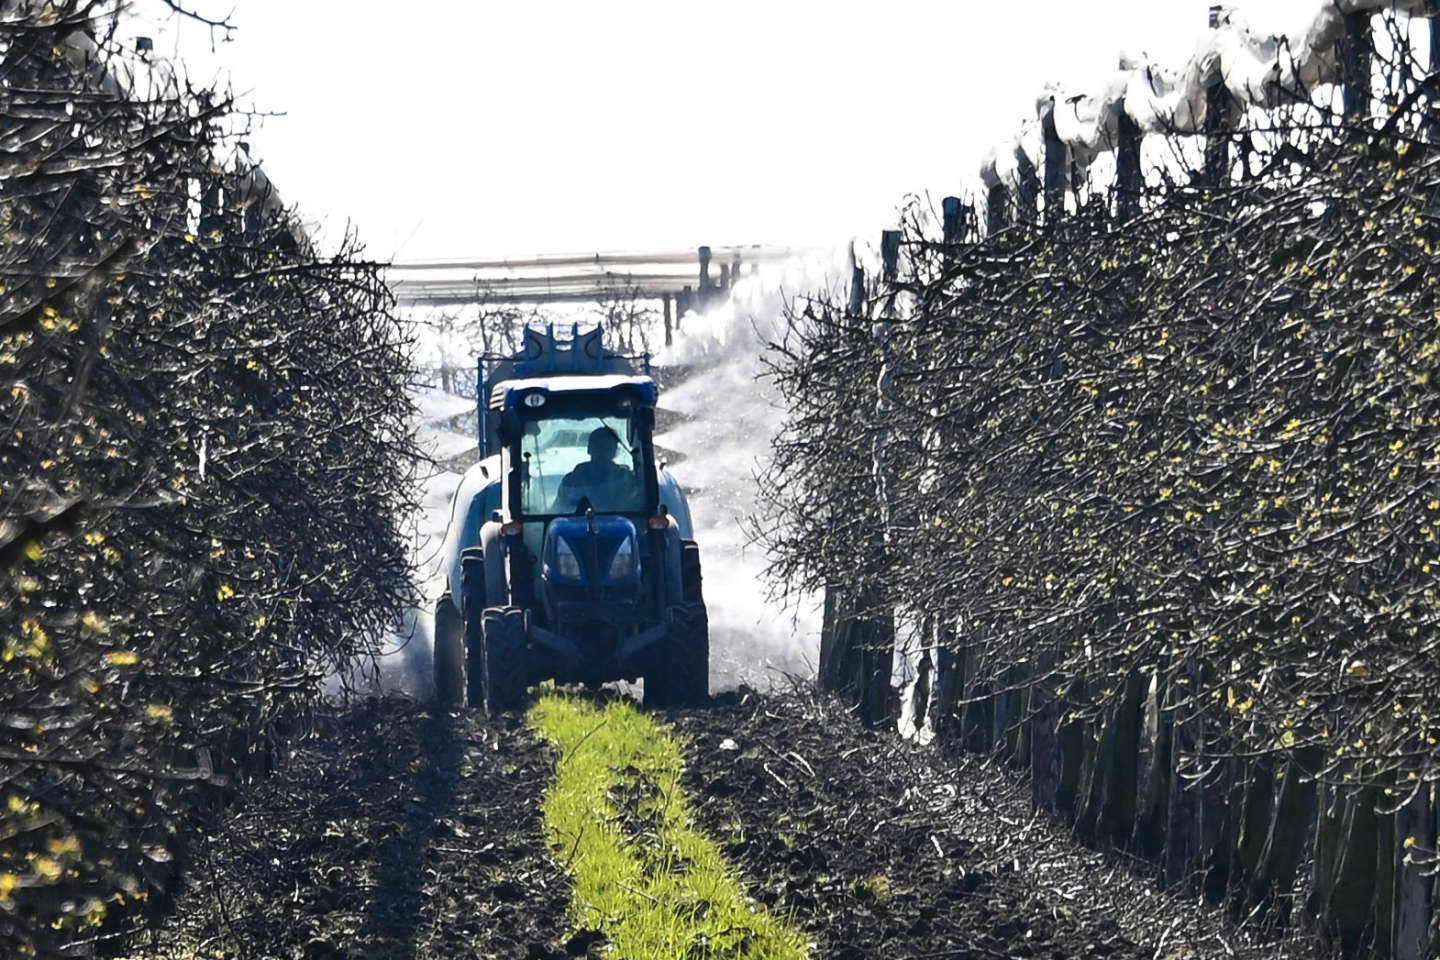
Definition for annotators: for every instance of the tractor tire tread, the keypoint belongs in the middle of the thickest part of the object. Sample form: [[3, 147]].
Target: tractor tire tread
[[683, 675], [504, 670], [449, 654]]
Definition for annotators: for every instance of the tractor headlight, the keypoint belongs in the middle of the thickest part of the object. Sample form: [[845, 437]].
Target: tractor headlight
[[566, 563], [622, 566]]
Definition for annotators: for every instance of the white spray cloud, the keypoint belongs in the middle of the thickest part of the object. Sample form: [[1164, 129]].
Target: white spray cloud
[[731, 415]]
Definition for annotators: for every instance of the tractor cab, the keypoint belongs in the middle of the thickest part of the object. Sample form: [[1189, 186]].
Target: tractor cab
[[581, 566]]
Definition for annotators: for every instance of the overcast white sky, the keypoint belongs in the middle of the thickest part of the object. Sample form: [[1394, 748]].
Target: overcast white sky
[[446, 129]]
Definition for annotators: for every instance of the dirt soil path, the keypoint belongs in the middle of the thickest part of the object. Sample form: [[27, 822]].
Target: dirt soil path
[[397, 834], [882, 848], [393, 834]]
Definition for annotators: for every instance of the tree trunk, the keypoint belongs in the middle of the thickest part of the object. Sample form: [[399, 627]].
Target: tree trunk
[[1414, 893], [1044, 744], [1254, 829], [1182, 820], [1149, 838], [1273, 884], [1072, 757], [1117, 817]]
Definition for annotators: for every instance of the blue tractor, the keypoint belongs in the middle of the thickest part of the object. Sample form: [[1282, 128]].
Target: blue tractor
[[570, 553]]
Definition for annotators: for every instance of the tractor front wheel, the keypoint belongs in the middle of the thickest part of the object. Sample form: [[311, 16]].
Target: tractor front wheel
[[503, 668], [681, 677], [449, 655]]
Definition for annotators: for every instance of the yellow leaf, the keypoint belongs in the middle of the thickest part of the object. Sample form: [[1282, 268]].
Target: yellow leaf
[[122, 658], [64, 846]]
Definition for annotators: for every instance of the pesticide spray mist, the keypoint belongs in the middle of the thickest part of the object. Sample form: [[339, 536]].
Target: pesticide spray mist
[[720, 441], [731, 414]]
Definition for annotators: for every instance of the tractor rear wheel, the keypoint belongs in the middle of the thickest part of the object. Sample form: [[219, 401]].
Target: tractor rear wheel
[[473, 606], [681, 677], [503, 667], [449, 654]]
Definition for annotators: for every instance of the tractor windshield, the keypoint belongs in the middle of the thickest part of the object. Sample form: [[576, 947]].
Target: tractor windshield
[[572, 461]]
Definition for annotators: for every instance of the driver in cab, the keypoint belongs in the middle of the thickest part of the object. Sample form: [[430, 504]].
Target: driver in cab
[[607, 485]]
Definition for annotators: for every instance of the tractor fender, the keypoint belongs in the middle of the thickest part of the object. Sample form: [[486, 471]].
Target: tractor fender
[[492, 546], [483, 573], [672, 498], [670, 555], [477, 497]]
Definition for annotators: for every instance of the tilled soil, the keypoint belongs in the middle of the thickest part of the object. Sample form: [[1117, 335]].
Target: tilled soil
[[393, 834], [397, 834], [880, 848]]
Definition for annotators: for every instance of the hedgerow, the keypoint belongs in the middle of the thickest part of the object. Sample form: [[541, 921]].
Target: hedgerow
[[205, 450], [1195, 445]]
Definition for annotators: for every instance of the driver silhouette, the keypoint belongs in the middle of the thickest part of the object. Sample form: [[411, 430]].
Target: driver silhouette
[[602, 481]]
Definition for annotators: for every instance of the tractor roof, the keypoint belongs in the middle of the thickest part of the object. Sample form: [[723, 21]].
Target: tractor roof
[[508, 393]]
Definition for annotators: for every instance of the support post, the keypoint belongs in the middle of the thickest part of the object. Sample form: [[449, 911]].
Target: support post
[[1432, 13], [1355, 66], [890, 254], [1127, 169], [669, 330], [212, 211], [879, 612], [1057, 164], [1219, 122], [997, 209], [1027, 195], [705, 285], [831, 672], [857, 285], [684, 300], [950, 224], [1217, 134]]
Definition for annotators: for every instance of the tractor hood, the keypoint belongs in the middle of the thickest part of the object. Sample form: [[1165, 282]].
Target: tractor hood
[[591, 551]]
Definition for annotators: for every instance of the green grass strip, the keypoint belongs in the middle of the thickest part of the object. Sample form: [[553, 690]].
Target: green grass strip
[[644, 875]]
